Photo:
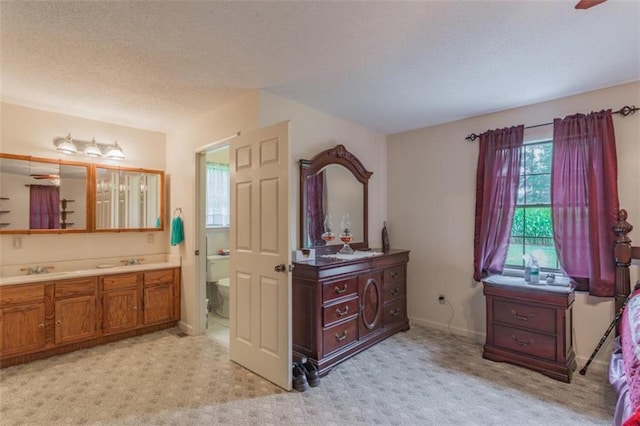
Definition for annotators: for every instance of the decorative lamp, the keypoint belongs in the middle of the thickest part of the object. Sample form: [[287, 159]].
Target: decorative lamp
[[92, 150], [115, 152]]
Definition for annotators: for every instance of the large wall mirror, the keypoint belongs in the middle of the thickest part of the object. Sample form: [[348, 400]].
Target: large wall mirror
[[333, 192], [39, 195], [129, 199]]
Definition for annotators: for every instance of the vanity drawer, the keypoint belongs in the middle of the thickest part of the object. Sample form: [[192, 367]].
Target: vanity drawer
[[523, 315], [164, 276], [526, 342], [340, 335], [394, 311], [337, 289], [76, 287], [119, 282], [393, 275], [23, 293], [339, 311]]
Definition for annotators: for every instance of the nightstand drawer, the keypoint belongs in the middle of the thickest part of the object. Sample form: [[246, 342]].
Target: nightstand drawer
[[339, 311], [523, 315], [340, 335], [526, 342], [393, 290], [337, 289]]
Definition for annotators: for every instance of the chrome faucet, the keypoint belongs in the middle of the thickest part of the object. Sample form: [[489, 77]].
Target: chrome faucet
[[132, 261], [36, 270]]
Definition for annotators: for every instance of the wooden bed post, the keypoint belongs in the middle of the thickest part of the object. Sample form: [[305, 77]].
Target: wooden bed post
[[622, 254]]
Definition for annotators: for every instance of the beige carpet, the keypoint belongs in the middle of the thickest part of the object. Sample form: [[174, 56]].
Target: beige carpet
[[422, 376]]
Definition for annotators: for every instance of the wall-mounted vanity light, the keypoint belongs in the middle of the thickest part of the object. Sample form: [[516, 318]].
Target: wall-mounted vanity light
[[67, 145]]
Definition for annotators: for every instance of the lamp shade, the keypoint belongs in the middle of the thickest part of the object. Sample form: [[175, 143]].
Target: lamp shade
[[67, 146], [92, 150], [115, 152]]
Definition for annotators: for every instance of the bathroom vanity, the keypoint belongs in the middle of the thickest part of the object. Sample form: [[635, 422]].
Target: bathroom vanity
[[341, 307], [49, 314]]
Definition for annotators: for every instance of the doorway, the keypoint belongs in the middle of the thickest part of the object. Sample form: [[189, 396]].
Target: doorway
[[215, 207]]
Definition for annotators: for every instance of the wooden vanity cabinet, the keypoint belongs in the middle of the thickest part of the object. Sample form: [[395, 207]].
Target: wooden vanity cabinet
[[59, 316], [341, 307], [120, 302], [22, 319], [74, 310]]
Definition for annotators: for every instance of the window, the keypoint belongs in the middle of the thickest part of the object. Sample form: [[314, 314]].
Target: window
[[532, 229], [217, 195]]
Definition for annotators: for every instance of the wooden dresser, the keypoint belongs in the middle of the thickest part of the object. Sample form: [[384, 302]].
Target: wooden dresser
[[531, 326], [341, 307]]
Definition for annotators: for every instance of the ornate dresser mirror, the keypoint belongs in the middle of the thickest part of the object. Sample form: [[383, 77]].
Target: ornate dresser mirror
[[333, 195]]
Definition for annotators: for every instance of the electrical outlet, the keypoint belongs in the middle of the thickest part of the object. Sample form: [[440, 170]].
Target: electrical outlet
[[150, 238], [17, 242], [441, 299]]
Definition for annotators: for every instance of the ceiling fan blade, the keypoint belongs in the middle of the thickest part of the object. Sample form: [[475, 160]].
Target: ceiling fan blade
[[586, 4]]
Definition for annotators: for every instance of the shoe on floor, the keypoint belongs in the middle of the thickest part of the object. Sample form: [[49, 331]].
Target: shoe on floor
[[299, 378], [311, 372]]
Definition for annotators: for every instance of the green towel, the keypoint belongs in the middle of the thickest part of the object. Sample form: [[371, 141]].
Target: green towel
[[177, 231]]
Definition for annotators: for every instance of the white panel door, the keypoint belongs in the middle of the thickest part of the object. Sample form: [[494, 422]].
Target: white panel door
[[259, 296]]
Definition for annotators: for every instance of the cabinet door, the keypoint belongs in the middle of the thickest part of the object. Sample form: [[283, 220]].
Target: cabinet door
[[21, 328], [75, 319], [370, 295], [158, 304], [119, 311]]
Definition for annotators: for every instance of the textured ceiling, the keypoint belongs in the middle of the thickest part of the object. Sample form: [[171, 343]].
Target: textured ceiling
[[389, 66]]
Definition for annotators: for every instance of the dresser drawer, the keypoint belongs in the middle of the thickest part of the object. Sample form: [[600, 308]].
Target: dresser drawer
[[78, 287], [393, 312], [119, 282], [339, 311], [337, 289], [23, 293], [339, 335], [393, 290], [523, 315], [526, 342], [393, 275], [164, 276]]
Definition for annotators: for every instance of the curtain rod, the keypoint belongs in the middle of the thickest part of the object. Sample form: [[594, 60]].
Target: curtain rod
[[624, 111]]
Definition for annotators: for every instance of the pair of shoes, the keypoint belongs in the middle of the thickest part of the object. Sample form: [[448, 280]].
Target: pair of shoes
[[311, 371], [299, 378]]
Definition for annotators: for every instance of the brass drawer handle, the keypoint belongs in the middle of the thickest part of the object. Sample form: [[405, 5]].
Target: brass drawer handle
[[394, 312], [342, 313], [341, 290], [59, 322], [340, 338], [515, 314], [41, 325], [394, 274], [395, 292], [135, 308], [522, 342]]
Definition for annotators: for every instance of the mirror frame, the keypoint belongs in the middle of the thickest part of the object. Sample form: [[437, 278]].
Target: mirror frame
[[88, 196], [340, 156], [160, 174]]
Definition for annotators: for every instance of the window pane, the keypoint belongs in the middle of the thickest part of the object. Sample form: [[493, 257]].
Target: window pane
[[537, 222], [538, 189], [521, 191], [517, 227], [537, 158], [543, 250]]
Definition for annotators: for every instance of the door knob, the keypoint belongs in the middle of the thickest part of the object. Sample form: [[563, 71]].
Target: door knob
[[280, 268]]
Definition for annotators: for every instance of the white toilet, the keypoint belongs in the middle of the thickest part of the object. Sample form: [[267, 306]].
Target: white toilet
[[218, 275]]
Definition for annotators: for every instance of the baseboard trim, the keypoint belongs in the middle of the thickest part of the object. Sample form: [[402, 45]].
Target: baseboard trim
[[186, 328]]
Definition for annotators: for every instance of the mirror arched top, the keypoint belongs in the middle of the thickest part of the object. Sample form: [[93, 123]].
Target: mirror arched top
[[333, 183]]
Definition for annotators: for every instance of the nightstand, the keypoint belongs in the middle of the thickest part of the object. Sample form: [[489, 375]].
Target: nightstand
[[531, 326]]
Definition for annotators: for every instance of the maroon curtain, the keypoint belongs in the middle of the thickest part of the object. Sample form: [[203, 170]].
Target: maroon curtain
[[315, 209], [584, 199], [496, 194], [44, 207]]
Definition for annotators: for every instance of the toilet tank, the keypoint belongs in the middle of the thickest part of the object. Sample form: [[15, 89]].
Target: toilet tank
[[217, 267]]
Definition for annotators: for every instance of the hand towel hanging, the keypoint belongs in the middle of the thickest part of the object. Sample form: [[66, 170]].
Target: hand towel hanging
[[177, 228]]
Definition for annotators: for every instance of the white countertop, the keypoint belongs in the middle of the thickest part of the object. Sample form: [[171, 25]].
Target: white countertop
[[35, 278], [561, 285]]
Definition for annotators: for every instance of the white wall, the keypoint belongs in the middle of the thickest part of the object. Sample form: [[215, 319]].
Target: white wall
[[29, 131], [312, 131], [431, 199], [182, 144]]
